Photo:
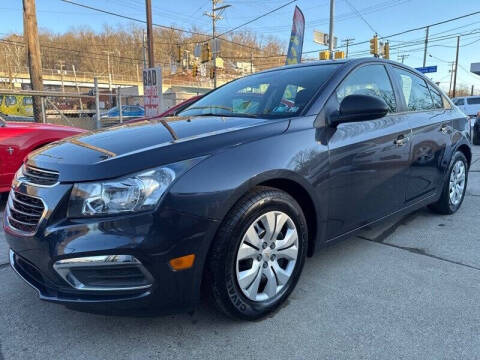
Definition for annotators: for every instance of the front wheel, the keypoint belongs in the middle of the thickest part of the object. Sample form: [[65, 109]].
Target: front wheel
[[454, 187], [258, 254]]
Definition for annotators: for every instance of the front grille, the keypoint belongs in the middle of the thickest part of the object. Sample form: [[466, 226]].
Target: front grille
[[24, 212], [39, 176]]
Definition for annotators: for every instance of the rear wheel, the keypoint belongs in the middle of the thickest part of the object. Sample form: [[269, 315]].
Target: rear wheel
[[258, 255], [454, 187]]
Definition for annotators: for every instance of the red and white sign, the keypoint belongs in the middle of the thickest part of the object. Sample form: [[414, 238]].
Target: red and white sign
[[152, 91]]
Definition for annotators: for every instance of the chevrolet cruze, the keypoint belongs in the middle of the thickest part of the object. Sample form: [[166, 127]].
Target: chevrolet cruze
[[234, 193]]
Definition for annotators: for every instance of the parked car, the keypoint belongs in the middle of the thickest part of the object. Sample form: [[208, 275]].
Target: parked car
[[17, 105], [173, 111], [470, 105], [17, 139], [127, 111], [476, 130], [235, 196]]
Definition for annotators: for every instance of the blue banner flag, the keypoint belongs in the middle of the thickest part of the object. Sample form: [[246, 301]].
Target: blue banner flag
[[294, 55]]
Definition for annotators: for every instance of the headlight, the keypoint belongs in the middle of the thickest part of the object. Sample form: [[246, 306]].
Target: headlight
[[137, 192]]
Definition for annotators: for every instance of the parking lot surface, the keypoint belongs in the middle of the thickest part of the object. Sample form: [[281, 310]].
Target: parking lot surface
[[408, 288]]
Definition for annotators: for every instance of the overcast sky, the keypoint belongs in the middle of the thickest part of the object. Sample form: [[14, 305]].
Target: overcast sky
[[384, 17]]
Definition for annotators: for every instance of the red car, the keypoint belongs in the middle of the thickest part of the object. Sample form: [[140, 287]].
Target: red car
[[17, 139]]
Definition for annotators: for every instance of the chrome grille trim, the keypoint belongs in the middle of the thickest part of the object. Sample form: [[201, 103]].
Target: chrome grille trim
[[38, 177], [26, 220]]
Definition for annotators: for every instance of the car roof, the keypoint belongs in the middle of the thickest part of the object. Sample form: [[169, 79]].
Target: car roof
[[356, 61]]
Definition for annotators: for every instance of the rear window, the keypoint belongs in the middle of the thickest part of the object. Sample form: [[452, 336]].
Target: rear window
[[473, 101], [459, 102]]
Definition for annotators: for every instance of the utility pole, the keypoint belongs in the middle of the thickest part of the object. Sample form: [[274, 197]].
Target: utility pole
[[214, 18], [471, 92], [347, 43], [151, 56], [76, 85], [451, 78], [402, 57], [144, 49], [109, 69], [456, 68], [251, 63], [330, 30], [30, 32], [61, 63], [426, 45]]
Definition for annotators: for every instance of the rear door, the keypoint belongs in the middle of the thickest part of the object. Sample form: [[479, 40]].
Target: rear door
[[431, 131], [369, 159]]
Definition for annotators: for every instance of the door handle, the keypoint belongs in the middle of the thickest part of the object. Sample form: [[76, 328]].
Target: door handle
[[444, 129], [401, 140]]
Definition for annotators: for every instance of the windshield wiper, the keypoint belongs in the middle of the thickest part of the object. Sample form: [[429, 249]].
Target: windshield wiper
[[226, 115]]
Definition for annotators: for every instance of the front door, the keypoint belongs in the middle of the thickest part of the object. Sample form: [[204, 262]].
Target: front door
[[369, 160]]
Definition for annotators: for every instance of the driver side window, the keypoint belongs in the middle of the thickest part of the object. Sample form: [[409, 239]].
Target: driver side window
[[370, 80]]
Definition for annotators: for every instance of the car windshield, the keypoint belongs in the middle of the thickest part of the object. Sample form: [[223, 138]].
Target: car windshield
[[274, 94]]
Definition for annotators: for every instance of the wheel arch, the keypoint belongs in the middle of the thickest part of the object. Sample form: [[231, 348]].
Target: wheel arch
[[294, 185], [465, 149]]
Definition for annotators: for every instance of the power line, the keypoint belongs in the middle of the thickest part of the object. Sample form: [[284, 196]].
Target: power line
[[257, 18], [360, 16]]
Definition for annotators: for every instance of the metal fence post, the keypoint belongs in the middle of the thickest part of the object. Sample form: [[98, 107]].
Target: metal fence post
[[97, 102], [42, 101], [119, 103]]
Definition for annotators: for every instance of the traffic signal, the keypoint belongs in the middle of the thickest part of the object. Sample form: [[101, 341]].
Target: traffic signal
[[386, 51], [206, 53], [194, 70], [324, 55], [374, 46], [178, 54], [339, 55], [212, 72]]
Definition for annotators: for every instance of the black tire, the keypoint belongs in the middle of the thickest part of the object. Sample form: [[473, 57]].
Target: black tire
[[221, 263], [444, 205]]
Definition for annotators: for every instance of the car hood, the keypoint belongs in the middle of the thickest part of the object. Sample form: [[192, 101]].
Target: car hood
[[41, 126], [133, 147]]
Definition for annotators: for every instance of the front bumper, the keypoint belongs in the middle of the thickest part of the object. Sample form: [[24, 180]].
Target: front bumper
[[152, 238]]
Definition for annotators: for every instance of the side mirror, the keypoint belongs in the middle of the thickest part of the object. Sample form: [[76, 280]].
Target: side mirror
[[360, 108]]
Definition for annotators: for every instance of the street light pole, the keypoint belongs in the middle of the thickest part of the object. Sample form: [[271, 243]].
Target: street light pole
[[330, 32]]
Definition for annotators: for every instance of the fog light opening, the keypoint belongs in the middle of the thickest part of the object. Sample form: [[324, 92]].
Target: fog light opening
[[104, 273]]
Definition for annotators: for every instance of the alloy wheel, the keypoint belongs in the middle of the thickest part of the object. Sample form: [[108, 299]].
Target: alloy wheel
[[457, 182], [267, 255]]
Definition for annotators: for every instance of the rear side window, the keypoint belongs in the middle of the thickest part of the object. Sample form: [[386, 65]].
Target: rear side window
[[27, 101], [473, 101], [415, 91], [436, 97], [369, 80]]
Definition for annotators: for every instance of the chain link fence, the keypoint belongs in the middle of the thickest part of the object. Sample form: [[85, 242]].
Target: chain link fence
[[90, 110]]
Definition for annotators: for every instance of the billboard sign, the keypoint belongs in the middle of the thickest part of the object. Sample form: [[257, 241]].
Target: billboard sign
[[152, 91]]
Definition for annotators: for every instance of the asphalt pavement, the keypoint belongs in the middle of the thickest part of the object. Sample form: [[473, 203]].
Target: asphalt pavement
[[406, 289]]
